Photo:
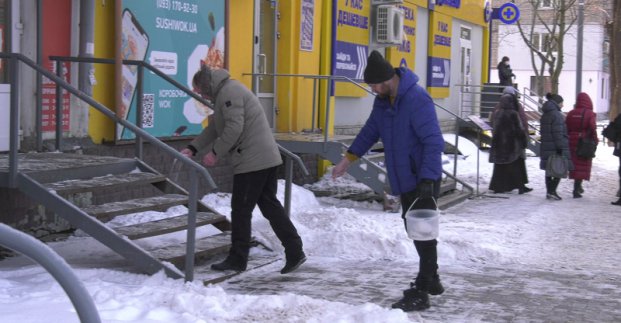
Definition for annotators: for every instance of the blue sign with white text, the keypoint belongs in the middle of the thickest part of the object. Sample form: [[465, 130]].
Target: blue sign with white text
[[350, 60], [439, 72]]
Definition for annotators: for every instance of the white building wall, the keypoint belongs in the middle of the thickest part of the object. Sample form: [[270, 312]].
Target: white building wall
[[594, 79]]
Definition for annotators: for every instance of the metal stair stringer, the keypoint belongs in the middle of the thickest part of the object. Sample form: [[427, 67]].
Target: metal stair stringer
[[363, 170], [96, 229]]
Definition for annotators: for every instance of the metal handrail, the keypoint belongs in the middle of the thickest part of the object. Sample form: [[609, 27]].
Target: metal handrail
[[56, 266], [13, 161]]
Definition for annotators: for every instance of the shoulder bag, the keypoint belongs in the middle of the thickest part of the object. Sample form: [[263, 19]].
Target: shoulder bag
[[557, 166], [586, 145]]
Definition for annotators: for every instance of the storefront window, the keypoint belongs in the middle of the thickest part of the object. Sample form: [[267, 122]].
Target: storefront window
[[4, 34]]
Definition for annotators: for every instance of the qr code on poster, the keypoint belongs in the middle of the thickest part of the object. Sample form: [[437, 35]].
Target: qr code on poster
[[147, 110]]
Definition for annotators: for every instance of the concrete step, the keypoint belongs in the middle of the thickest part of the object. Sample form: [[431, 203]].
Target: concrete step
[[109, 181], [205, 247], [106, 212], [168, 225]]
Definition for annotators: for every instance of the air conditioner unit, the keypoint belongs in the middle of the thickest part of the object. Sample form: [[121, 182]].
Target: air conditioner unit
[[374, 2], [389, 24]]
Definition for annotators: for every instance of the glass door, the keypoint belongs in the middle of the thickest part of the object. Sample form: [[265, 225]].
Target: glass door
[[265, 56]]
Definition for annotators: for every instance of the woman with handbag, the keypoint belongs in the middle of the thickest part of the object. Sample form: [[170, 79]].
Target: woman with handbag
[[582, 132], [553, 141]]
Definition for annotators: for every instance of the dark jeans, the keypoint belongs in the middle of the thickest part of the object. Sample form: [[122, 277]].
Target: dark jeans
[[427, 250], [259, 188]]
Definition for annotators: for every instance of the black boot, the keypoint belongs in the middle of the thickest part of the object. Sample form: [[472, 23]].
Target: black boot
[[293, 263], [617, 202], [434, 287], [578, 188], [229, 264], [413, 300]]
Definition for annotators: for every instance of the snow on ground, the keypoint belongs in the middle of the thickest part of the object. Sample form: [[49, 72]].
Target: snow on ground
[[490, 229]]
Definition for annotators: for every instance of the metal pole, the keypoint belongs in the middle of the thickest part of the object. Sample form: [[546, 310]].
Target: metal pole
[[56, 266], [59, 106], [14, 122], [191, 235], [139, 98], [39, 79], [579, 46], [288, 176], [87, 44], [314, 103]]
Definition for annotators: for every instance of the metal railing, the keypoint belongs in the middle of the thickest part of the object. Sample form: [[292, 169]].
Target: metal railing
[[141, 135], [331, 78], [56, 266]]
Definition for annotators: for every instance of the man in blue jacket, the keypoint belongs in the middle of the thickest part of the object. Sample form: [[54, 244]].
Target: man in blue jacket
[[404, 118]]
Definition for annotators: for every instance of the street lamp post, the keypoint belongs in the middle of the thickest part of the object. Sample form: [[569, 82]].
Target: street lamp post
[[579, 46]]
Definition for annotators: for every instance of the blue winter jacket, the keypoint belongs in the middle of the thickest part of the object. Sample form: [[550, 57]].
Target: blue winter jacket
[[410, 133]]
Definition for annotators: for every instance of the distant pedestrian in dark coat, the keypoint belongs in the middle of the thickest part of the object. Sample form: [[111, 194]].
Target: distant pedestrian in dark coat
[[505, 73], [580, 123], [553, 139], [617, 152], [507, 149]]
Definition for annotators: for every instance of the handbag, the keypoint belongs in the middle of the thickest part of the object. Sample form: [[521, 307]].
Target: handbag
[[557, 166], [586, 146]]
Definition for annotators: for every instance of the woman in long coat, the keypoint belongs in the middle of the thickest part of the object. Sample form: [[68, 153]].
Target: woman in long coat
[[507, 149], [553, 140], [580, 123]]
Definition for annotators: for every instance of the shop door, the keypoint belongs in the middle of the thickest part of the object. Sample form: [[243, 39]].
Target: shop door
[[264, 61], [465, 77]]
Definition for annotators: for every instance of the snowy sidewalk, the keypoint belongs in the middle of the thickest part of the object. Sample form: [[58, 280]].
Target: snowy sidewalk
[[488, 294]]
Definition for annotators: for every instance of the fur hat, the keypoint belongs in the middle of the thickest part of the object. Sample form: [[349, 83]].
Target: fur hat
[[554, 97], [378, 69]]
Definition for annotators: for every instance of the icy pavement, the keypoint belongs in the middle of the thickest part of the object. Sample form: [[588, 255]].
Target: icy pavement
[[487, 294]]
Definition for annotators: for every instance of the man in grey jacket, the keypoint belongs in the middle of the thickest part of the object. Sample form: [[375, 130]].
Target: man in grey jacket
[[239, 129]]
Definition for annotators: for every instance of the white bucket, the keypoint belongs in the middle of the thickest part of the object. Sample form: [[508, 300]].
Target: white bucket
[[422, 224]]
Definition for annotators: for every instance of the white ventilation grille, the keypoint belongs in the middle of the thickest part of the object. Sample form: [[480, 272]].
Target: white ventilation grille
[[389, 24]]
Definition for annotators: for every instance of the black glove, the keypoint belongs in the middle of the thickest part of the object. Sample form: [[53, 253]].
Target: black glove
[[425, 189], [559, 151]]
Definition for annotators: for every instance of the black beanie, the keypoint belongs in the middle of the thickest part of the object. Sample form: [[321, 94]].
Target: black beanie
[[554, 97], [378, 69]]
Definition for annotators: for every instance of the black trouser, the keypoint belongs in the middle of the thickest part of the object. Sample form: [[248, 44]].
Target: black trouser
[[259, 188], [552, 184], [427, 250]]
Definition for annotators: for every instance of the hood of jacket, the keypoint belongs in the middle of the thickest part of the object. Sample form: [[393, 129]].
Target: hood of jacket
[[550, 105], [218, 77], [583, 101]]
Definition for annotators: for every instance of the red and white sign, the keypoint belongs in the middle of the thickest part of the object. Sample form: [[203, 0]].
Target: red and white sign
[[56, 42]]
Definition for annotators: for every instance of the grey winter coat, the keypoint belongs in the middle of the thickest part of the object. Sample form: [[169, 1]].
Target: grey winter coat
[[238, 128], [553, 134]]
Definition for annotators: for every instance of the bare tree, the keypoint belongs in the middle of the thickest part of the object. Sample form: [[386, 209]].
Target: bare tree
[[615, 61], [544, 34]]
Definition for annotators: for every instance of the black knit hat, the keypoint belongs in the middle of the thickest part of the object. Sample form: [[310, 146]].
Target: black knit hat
[[378, 69], [554, 97]]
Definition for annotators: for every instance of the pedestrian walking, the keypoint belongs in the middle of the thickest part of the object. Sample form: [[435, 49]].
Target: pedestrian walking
[[507, 151], [553, 140], [404, 118], [240, 130], [616, 124], [505, 73], [580, 123]]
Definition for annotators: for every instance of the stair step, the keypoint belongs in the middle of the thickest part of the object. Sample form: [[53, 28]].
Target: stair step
[[108, 181], [205, 247], [168, 225], [448, 200], [107, 211]]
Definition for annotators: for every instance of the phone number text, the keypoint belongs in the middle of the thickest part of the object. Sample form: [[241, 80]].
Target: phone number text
[[176, 5]]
